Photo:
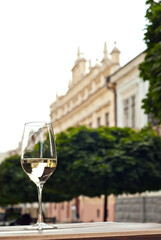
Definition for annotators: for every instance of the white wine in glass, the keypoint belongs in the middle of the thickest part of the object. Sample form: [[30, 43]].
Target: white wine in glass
[[38, 159]]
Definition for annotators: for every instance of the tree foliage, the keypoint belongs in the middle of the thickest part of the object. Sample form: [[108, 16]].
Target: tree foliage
[[107, 160], [91, 162], [16, 187], [150, 69], [82, 169]]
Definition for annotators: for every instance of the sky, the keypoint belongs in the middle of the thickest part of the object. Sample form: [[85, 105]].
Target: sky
[[38, 47]]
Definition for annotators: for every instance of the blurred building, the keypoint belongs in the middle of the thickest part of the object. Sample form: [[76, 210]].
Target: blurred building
[[87, 100], [8, 154], [103, 94], [130, 89]]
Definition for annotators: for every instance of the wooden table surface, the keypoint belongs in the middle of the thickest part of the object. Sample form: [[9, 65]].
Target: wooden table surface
[[90, 231]]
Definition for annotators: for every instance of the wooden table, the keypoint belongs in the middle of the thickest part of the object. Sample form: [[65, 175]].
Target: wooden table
[[90, 231]]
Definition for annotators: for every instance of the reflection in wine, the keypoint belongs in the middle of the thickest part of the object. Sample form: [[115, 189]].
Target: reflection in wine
[[38, 170]]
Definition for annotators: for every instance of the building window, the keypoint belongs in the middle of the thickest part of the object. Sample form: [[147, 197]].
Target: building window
[[98, 122], [129, 108], [98, 213], [126, 113], [107, 119], [133, 111], [68, 209], [90, 124]]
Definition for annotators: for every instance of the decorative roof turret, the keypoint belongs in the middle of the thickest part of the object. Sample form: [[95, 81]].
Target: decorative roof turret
[[79, 69], [115, 54], [105, 59], [78, 54]]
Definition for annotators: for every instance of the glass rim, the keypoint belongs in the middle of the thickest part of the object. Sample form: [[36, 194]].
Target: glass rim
[[38, 124]]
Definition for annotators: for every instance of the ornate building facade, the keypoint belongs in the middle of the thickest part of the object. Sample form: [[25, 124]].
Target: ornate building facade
[[130, 90], [87, 101], [104, 94]]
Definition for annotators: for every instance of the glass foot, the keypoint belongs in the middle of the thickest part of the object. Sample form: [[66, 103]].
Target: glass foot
[[40, 226]]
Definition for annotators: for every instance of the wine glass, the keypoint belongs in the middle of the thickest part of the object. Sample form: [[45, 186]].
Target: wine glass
[[38, 159]]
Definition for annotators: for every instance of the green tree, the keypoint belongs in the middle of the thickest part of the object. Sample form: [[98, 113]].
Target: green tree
[[104, 161], [14, 184], [91, 162], [136, 163], [150, 69], [16, 187]]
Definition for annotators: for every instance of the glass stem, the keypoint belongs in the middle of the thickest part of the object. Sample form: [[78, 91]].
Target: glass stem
[[40, 215]]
